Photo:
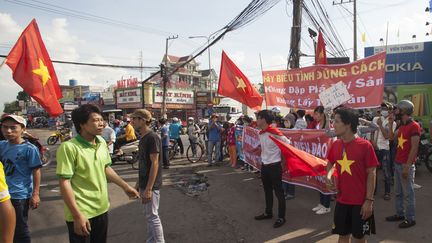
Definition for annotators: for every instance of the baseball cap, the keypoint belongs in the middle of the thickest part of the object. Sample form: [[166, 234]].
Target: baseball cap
[[18, 119], [143, 114]]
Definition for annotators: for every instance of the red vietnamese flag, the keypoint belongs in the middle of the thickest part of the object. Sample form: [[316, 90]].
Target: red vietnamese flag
[[234, 84], [301, 163], [33, 70], [320, 55]]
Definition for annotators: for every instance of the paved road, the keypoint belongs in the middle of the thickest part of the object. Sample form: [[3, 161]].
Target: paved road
[[224, 213]]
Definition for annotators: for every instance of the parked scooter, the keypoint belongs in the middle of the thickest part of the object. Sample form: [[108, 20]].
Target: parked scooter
[[62, 134], [425, 153], [127, 153]]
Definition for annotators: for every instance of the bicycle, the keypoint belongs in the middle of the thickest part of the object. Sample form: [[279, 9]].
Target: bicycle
[[173, 149], [195, 155]]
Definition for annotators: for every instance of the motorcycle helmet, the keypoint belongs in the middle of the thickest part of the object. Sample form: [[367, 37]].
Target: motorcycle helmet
[[405, 107], [175, 119], [190, 119], [276, 110]]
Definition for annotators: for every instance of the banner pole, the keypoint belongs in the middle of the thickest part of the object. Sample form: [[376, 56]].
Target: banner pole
[[262, 78]]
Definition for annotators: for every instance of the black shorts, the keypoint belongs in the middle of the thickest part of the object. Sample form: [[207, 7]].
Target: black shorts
[[348, 220]]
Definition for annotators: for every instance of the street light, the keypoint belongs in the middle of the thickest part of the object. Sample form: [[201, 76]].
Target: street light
[[209, 63], [312, 35]]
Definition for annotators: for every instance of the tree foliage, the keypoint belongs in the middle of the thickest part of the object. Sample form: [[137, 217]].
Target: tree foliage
[[11, 107], [22, 95]]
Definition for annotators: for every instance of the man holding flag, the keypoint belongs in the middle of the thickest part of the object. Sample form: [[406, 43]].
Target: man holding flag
[[271, 168], [355, 162]]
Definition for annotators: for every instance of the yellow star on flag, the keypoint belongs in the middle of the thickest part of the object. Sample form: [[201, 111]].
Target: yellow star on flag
[[240, 84], [401, 141], [43, 72], [321, 54], [345, 164]]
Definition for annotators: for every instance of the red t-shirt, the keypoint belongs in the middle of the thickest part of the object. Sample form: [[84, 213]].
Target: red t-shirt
[[352, 168], [404, 141]]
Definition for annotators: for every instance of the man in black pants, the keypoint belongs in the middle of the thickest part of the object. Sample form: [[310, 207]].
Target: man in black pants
[[271, 170]]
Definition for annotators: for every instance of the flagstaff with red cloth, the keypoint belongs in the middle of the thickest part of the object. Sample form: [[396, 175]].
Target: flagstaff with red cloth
[[33, 70], [234, 84]]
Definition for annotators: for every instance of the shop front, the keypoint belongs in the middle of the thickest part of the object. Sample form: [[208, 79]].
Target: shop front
[[179, 103]]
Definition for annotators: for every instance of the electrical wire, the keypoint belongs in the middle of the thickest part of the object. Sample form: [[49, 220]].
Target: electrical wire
[[51, 8], [101, 65], [321, 21], [252, 12]]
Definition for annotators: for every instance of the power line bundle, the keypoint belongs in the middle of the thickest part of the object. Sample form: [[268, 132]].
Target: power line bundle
[[321, 20], [252, 12]]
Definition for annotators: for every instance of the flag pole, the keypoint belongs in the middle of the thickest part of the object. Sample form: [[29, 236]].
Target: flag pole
[[387, 35], [4, 61], [262, 78]]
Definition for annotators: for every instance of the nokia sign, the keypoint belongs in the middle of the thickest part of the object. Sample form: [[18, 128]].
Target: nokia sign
[[406, 63]]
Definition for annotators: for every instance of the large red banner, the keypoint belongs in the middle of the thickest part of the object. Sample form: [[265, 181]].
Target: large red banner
[[315, 142], [299, 88]]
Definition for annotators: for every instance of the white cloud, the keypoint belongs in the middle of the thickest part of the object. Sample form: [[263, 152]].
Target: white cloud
[[9, 29], [61, 45]]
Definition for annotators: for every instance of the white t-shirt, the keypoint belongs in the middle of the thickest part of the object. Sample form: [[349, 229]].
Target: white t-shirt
[[300, 123], [270, 152], [383, 143], [109, 135]]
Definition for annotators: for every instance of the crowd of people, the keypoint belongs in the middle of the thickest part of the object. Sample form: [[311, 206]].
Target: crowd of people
[[390, 140]]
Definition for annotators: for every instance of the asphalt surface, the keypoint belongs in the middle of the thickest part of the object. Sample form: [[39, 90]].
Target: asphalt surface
[[223, 213]]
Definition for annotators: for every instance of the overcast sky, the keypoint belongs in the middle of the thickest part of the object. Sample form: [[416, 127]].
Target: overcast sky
[[74, 39]]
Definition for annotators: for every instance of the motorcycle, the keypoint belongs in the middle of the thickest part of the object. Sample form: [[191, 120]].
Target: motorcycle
[[425, 153], [44, 152], [62, 134], [127, 153]]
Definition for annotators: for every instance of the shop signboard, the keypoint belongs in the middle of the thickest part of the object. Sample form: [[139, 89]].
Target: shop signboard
[[202, 99], [108, 98], [68, 96], [129, 98], [406, 63], [182, 97]]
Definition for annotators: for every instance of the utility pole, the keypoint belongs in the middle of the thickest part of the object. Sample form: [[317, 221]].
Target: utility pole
[[141, 78], [354, 23], [164, 74], [141, 65], [294, 59]]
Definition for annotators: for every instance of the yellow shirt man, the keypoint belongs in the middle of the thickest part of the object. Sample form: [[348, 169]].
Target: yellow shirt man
[[4, 193], [130, 133]]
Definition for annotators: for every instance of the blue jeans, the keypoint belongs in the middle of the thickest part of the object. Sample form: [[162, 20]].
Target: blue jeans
[[325, 200], [404, 192], [392, 157], [22, 233], [289, 189], [154, 224], [213, 145], [165, 156], [387, 169]]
